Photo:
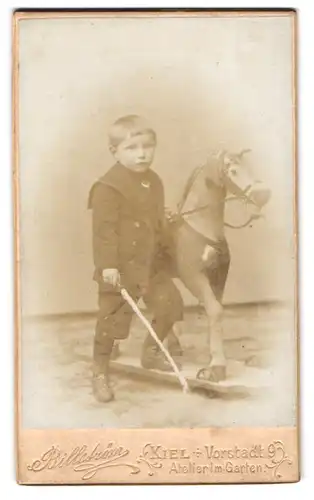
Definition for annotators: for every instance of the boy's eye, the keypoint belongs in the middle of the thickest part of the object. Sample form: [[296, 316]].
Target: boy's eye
[[145, 146]]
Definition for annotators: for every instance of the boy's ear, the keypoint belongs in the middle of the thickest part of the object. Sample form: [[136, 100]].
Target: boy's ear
[[112, 149]]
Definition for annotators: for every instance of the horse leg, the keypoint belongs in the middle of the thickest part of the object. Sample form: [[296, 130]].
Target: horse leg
[[115, 353], [199, 285], [204, 272], [214, 311]]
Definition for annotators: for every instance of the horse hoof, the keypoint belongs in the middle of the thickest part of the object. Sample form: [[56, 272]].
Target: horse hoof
[[256, 361], [212, 373]]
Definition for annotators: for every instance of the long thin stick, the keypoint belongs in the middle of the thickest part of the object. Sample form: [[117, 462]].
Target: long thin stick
[[149, 327]]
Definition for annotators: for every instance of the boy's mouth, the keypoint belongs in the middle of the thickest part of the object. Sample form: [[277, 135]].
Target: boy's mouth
[[143, 164]]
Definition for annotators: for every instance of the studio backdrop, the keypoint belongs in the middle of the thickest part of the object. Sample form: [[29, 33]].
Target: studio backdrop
[[201, 89]]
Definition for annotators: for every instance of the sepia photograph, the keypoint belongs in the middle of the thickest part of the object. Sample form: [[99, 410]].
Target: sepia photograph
[[156, 244]]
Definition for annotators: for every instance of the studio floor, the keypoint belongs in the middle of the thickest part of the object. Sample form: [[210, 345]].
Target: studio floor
[[56, 375]]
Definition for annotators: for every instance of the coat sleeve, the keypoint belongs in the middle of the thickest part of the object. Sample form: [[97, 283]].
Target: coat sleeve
[[105, 204]]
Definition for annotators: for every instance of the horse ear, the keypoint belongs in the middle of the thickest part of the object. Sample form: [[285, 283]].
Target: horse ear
[[243, 152]]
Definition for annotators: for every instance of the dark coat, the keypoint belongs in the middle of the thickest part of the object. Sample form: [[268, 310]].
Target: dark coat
[[128, 218]]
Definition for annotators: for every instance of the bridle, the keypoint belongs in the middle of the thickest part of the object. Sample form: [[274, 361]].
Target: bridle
[[248, 222], [226, 165]]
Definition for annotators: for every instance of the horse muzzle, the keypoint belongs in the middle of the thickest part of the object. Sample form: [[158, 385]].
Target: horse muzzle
[[259, 194]]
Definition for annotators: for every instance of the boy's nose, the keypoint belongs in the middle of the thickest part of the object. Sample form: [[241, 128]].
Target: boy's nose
[[141, 153]]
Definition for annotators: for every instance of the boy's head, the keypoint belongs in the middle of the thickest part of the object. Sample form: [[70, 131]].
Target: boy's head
[[132, 142]]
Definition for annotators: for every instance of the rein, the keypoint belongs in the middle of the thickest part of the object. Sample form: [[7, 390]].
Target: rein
[[249, 220], [190, 183], [226, 224]]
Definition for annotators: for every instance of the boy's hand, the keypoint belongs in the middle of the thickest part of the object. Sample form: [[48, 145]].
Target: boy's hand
[[111, 276]]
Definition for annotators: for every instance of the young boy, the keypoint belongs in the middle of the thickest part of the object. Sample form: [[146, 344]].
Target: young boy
[[128, 218]]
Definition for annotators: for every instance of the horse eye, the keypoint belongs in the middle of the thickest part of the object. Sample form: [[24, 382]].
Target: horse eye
[[233, 171]]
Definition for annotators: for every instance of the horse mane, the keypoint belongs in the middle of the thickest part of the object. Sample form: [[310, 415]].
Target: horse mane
[[192, 177]]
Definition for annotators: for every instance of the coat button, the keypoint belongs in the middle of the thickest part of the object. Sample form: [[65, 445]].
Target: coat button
[[134, 243], [137, 224]]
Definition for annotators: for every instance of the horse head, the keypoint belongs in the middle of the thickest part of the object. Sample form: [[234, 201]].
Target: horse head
[[207, 187], [238, 179]]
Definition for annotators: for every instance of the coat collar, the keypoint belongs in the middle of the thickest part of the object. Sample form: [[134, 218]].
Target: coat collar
[[135, 187]]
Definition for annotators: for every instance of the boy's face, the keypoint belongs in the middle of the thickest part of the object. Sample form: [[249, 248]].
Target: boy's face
[[136, 153]]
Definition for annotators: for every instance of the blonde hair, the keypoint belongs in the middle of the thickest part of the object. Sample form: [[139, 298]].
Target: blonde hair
[[128, 126]]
